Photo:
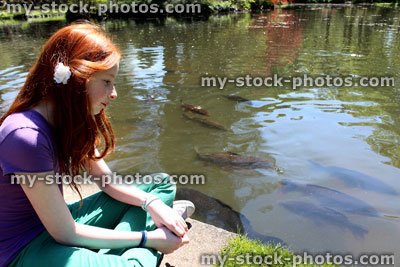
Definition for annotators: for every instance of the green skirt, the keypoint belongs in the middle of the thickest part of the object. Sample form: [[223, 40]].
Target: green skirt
[[102, 211]]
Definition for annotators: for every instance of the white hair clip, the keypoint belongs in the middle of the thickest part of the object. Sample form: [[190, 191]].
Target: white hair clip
[[62, 73]]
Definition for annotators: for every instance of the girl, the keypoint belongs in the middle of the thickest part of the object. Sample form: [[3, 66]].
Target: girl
[[53, 127]]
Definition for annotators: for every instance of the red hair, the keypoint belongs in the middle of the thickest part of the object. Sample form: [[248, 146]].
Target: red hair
[[86, 49]]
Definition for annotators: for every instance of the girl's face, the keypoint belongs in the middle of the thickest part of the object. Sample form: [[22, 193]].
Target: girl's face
[[101, 88]]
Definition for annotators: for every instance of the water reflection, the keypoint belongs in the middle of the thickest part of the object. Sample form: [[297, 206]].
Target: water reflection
[[283, 30], [351, 128]]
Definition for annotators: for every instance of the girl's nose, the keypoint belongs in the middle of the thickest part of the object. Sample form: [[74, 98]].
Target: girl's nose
[[113, 94]]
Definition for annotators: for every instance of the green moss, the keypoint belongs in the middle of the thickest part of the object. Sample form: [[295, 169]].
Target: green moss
[[5, 15], [56, 18], [240, 246], [393, 4]]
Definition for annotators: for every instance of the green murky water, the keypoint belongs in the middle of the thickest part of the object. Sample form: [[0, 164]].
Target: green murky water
[[343, 138]]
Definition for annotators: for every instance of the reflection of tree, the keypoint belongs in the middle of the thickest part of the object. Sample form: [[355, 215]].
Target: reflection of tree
[[358, 42], [283, 30], [341, 42], [386, 143]]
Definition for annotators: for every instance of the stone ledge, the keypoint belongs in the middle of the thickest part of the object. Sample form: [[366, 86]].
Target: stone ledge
[[205, 239]]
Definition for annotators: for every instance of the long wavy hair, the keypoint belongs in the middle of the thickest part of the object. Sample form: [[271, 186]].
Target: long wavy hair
[[86, 49]]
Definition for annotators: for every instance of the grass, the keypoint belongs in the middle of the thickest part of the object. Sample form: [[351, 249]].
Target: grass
[[240, 247]]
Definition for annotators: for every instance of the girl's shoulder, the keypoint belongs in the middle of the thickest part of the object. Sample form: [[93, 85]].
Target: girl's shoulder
[[28, 120], [26, 143]]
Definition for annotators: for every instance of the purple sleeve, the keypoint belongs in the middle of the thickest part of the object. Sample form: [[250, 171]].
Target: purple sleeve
[[26, 150]]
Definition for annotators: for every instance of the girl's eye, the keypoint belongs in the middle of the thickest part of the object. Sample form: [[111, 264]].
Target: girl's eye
[[107, 82]]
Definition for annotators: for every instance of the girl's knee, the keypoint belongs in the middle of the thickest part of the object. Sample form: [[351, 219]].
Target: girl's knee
[[161, 178], [164, 180]]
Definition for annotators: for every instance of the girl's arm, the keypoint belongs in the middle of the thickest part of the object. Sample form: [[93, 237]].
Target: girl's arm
[[53, 212], [161, 214]]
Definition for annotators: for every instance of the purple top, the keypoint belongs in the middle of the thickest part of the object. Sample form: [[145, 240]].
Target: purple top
[[26, 145]]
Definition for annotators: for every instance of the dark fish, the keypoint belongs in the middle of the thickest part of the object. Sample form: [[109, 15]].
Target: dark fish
[[330, 198], [234, 159], [357, 179], [236, 98], [195, 109], [206, 122], [215, 212], [323, 215]]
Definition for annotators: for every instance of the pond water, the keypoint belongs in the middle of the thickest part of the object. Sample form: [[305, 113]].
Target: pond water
[[343, 138]]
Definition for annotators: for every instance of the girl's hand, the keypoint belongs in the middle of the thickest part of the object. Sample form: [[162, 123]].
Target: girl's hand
[[164, 240], [163, 215]]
